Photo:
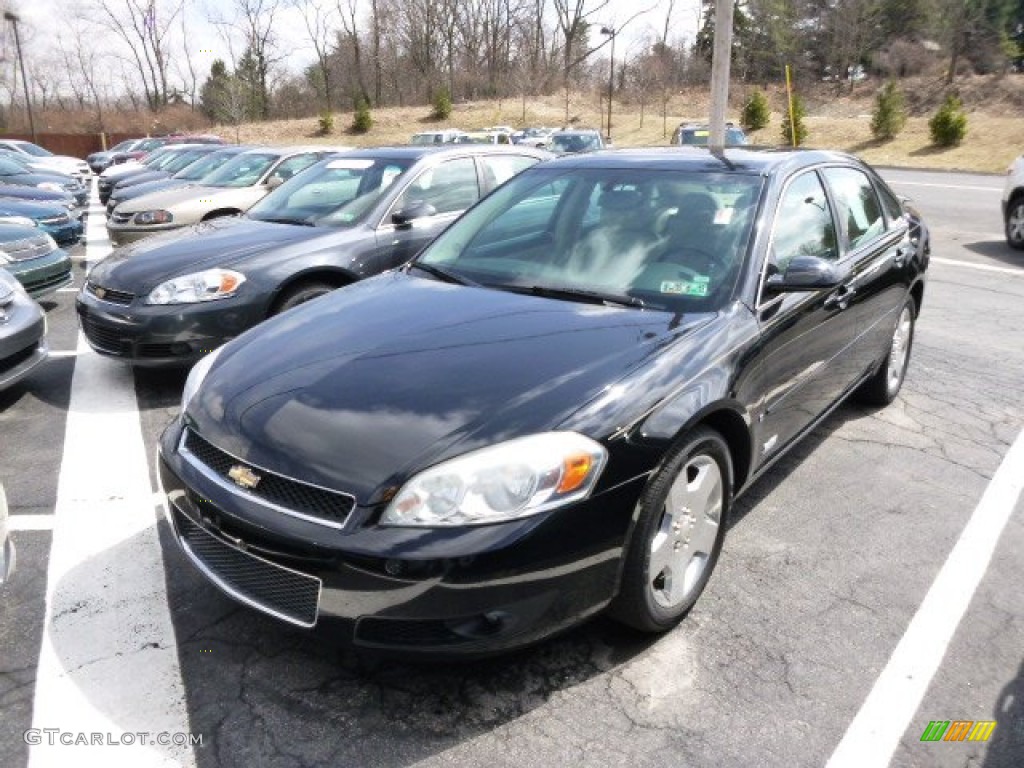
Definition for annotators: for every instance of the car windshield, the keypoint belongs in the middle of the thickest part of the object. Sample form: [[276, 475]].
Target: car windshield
[[574, 142], [335, 193], [35, 150], [205, 166], [243, 170], [124, 146], [420, 139], [699, 137], [182, 160], [668, 240], [10, 167], [147, 144]]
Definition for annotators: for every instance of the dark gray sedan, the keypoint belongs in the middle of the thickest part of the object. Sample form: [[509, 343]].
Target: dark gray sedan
[[170, 299], [22, 332]]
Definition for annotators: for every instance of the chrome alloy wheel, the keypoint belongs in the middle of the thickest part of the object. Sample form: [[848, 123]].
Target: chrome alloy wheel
[[1015, 225], [899, 352], [682, 546]]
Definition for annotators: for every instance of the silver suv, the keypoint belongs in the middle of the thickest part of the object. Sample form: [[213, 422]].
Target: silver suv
[[1013, 204]]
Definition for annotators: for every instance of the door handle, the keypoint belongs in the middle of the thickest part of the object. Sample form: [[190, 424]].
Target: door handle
[[901, 255], [840, 297]]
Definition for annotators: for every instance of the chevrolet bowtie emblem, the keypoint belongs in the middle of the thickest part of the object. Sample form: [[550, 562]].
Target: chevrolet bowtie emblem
[[100, 292], [243, 476]]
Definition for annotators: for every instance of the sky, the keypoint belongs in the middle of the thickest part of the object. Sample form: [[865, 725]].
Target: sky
[[207, 44]]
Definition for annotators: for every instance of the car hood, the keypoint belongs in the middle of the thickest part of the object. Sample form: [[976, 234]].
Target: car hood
[[22, 192], [141, 266], [37, 178], [148, 187], [195, 196], [362, 388], [121, 170]]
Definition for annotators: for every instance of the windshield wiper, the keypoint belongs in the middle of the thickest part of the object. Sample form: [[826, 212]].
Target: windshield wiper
[[578, 294], [441, 273], [285, 220]]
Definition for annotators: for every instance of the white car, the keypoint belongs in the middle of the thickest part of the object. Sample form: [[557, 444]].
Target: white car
[[39, 156], [1013, 204]]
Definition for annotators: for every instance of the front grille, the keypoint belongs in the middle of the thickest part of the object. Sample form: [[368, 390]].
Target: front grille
[[13, 361], [325, 506], [103, 338], [280, 591], [109, 294], [28, 248], [56, 221], [43, 284]]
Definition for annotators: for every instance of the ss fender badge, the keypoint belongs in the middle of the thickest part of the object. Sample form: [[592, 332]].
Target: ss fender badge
[[244, 477]]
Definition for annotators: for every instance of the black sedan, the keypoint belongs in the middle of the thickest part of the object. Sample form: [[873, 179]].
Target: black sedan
[[551, 411], [170, 299]]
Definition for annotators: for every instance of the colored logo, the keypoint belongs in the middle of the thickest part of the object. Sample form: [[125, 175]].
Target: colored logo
[[958, 730]]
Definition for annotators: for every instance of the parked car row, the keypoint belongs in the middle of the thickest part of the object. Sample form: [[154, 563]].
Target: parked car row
[[559, 142]]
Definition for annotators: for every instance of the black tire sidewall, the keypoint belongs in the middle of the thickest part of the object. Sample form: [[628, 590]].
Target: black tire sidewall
[[892, 392], [300, 295], [638, 607], [1016, 206]]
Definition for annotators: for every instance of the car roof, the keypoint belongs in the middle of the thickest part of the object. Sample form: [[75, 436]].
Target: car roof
[[414, 152], [731, 160]]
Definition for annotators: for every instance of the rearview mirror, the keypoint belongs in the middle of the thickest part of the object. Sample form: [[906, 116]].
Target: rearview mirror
[[274, 181], [415, 210], [804, 273]]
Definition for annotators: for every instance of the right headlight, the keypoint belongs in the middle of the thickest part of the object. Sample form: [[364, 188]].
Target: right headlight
[[208, 285], [502, 482], [147, 218], [52, 186]]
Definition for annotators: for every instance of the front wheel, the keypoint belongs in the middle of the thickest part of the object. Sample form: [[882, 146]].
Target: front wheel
[[1015, 223], [885, 383], [300, 295], [678, 534]]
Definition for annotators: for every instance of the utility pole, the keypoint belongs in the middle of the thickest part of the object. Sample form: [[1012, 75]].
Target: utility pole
[[611, 78], [13, 18], [720, 61]]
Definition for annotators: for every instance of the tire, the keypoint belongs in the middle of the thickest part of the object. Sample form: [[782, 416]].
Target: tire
[[1015, 223], [883, 386], [674, 547], [300, 294]]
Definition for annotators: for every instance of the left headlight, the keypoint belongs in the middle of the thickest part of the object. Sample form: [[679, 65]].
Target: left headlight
[[50, 185], [209, 285], [511, 480], [145, 218], [196, 376]]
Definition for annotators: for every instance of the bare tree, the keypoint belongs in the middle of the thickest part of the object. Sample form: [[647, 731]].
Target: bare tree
[[318, 17], [254, 21], [347, 11], [145, 27]]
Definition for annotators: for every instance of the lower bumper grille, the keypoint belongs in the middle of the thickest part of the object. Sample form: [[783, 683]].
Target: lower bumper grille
[[103, 338], [286, 594]]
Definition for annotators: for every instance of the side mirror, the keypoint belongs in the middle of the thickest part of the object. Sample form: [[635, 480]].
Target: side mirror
[[274, 182], [804, 273], [414, 210]]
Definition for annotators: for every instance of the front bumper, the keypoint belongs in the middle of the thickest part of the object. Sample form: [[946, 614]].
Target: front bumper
[[43, 275], [435, 593], [65, 234], [22, 340], [168, 335]]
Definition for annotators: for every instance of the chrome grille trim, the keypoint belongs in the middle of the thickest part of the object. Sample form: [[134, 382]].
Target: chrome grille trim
[[227, 485]]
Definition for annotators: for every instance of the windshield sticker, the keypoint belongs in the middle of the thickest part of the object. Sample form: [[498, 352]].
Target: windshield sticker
[[353, 164], [696, 287]]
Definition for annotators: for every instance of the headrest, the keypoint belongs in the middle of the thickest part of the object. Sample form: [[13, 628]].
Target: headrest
[[621, 200]]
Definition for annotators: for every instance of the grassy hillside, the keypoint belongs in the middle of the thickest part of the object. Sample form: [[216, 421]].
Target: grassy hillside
[[835, 121]]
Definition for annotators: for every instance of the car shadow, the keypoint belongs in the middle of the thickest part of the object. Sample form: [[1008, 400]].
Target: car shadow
[[997, 250], [1006, 747], [260, 692]]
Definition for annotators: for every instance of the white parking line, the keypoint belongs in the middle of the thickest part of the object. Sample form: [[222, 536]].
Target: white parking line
[[68, 289], [108, 662], [62, 353], [875, 732], [982, 267], [30, 523]]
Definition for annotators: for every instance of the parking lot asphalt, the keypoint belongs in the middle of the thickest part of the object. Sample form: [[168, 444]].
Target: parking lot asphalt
[[826, 564]]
